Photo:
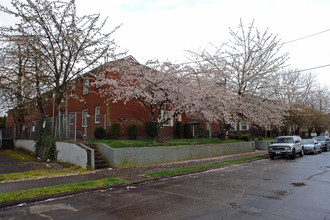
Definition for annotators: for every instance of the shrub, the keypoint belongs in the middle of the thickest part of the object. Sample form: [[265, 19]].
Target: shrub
[[132, 132], [115, 131], [260, 138], [246, 137], [231, 136], [187, 132], [45, 146], [203, 133], [152, 129], [49, 145], [178, 129], [237, 136], [99, 132]]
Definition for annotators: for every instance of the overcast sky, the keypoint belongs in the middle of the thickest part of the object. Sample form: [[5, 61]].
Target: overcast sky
[[164, 29]]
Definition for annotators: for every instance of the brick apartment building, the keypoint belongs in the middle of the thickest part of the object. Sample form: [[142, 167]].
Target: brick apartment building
[[85, 109]]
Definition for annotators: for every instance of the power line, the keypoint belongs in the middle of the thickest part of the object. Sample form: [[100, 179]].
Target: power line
[[287, 42], [313, 68], [312, 35]]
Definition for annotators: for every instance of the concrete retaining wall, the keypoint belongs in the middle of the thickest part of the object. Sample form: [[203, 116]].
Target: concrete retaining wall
[[78, 155], [27, 145], [129, 157], [81, 156], [262, 145]]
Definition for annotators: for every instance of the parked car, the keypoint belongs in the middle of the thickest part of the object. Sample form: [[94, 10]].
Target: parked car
[[311, 146], [286, 145], [324, 141]]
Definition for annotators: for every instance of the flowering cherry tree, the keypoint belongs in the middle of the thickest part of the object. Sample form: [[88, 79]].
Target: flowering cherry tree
[[245, 67], [164, 89], [156, 86]]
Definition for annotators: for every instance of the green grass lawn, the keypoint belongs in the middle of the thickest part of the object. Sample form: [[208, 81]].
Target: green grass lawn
[[200, 167], [165, 142], [268, 139], [35, 174], [16, 154], [65, 188]]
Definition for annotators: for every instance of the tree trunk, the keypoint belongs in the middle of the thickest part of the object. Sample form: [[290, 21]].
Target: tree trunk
[[159, 136], [224, 128]]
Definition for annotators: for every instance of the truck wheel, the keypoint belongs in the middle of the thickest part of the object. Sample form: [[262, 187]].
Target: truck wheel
[[293, 155], [272, 156]]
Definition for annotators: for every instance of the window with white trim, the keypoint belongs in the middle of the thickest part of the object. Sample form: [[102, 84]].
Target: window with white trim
[[84, 117], [85, 86], [97, 114], [244, 126], [166, 114], [71, 118], [278, 127], [233, 127], [73, 89]]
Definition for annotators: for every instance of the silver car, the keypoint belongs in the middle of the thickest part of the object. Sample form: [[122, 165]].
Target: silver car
[[323, 141], [311, 146], [286, 145]]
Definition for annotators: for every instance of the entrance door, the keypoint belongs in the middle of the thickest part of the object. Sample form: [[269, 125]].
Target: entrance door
[[195, 129]]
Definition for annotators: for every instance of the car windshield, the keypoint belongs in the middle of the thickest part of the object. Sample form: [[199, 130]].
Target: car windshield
[[308, 141], [284, 140], [320, 138]]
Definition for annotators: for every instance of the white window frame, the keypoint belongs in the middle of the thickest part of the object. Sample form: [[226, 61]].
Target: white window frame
[[97, 115], [243, 124], [84, 115], [73, 89], [85, 86], [233, 128], [71, 118], [165, 113], [278, 127]]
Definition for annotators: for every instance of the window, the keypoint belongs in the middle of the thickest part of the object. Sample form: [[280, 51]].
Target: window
[[166, 114], [179, 117], [97, 114], [73, 89], [268, 127], [243, 126], [84, 117], [97, 83], [71, 118], [233, 127], [278, 127], [85, 86]]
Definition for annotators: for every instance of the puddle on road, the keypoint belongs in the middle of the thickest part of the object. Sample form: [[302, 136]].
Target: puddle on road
[[278, 195], [282, 193], [273, 197], [298, 184]]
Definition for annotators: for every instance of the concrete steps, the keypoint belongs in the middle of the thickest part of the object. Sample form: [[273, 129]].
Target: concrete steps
[[100, 163]]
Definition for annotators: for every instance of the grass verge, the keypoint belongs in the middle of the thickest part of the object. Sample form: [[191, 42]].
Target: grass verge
[[200, 167], [15, 154], [35, 174], [65, 188], [166, 142]]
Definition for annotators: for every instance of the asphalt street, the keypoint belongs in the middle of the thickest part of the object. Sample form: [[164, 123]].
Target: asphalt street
[[263, 189]]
